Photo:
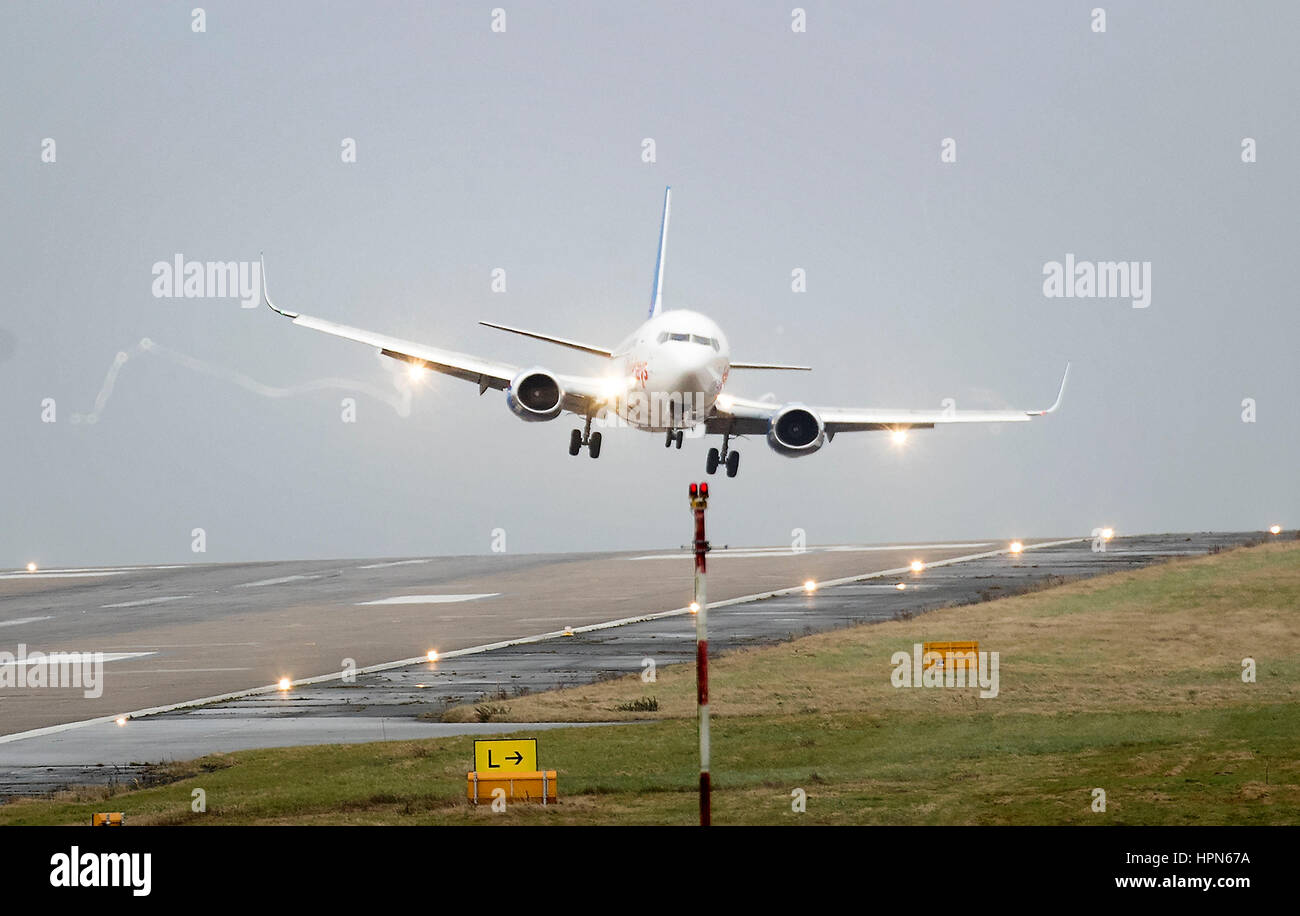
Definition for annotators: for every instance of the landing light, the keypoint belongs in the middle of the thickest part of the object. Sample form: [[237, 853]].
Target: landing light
[[917, 566], [726, 401], [612, 388], [695, 607], [1276, 529], [433, 655], [284, 683], [120, 720], [900, 586], [1107, 533], [1017, 547], [31, 567], [415, 372], [810, 586], [900, 436]]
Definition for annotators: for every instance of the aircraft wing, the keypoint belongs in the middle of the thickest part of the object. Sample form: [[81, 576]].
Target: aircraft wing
[[582, 393], [740, 416]]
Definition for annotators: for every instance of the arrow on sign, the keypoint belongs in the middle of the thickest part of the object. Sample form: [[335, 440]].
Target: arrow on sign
[[518, 758]]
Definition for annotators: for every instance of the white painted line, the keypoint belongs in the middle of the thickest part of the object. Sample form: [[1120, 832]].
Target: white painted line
[[145, 601], [61, 575], [396, 563], [69, 658], [279, 581], [174, 670], [527, 640], [95, 569], [428, 599], [21, 620]]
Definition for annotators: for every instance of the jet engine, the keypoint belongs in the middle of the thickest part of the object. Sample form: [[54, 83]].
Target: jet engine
[[535, 395], [795, 431]]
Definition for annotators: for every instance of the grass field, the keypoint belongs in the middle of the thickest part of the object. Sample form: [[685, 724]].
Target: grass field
[[1131, 683]]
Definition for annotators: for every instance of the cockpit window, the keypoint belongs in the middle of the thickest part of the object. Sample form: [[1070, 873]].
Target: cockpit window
[[690, 338]]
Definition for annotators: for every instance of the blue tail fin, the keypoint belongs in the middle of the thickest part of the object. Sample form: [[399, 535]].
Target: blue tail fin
[[657, 291]]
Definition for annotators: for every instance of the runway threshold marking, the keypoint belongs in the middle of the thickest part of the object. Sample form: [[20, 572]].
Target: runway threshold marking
[[505, 644]]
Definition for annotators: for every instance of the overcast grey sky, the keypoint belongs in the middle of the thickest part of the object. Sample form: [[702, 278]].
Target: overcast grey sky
[[522, 150]]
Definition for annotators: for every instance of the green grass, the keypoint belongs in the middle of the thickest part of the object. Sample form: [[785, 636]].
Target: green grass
[[1130, 683]]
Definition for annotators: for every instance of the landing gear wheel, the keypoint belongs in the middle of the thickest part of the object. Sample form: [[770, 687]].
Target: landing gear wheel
[[733, 463], [575, 442], [678, 437], [668, 439], [711, 463], [594, 446]]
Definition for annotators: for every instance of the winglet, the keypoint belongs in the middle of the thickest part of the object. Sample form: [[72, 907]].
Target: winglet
[[657, 291], [1059, 395], [267, 296]]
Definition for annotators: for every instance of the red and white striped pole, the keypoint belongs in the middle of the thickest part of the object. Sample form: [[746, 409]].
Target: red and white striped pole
[[700, 501]]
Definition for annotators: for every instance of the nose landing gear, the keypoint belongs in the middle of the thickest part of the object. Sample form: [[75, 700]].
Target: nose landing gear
[[577, 439], [674, 436], [728, 457]]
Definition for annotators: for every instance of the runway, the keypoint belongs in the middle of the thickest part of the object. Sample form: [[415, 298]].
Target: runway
[[206, 630], [182, 633]]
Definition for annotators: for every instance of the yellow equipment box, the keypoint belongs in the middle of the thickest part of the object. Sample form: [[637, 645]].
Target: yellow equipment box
[[538, 786], [108, 819], [965, 654]]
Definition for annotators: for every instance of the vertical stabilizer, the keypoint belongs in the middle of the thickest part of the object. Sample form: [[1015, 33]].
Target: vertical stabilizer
[[657, 293]]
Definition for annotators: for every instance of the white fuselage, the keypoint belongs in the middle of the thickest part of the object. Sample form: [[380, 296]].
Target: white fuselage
[[671, 370]]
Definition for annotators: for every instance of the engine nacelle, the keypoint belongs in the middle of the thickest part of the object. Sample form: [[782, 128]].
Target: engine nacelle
[[796, 431], [535, 395]]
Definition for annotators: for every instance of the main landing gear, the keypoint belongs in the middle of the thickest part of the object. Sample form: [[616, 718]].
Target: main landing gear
[[730, 458], [579, 438], [674, 436]]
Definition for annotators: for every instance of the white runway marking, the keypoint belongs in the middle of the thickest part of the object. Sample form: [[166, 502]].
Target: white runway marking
[[145, 601], [749, 553], [100, 570], [176, 670], [279, 581], [427, 599], [14, 623], [395, 563], [61, 575], [59, 658]]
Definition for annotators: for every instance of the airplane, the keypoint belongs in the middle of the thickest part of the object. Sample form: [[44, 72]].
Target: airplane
[[667, 376]]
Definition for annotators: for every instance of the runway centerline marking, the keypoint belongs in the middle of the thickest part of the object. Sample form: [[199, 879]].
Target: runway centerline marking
[[20, 620], [279, 581], [395, 563], [142, 602], [427, 599]]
